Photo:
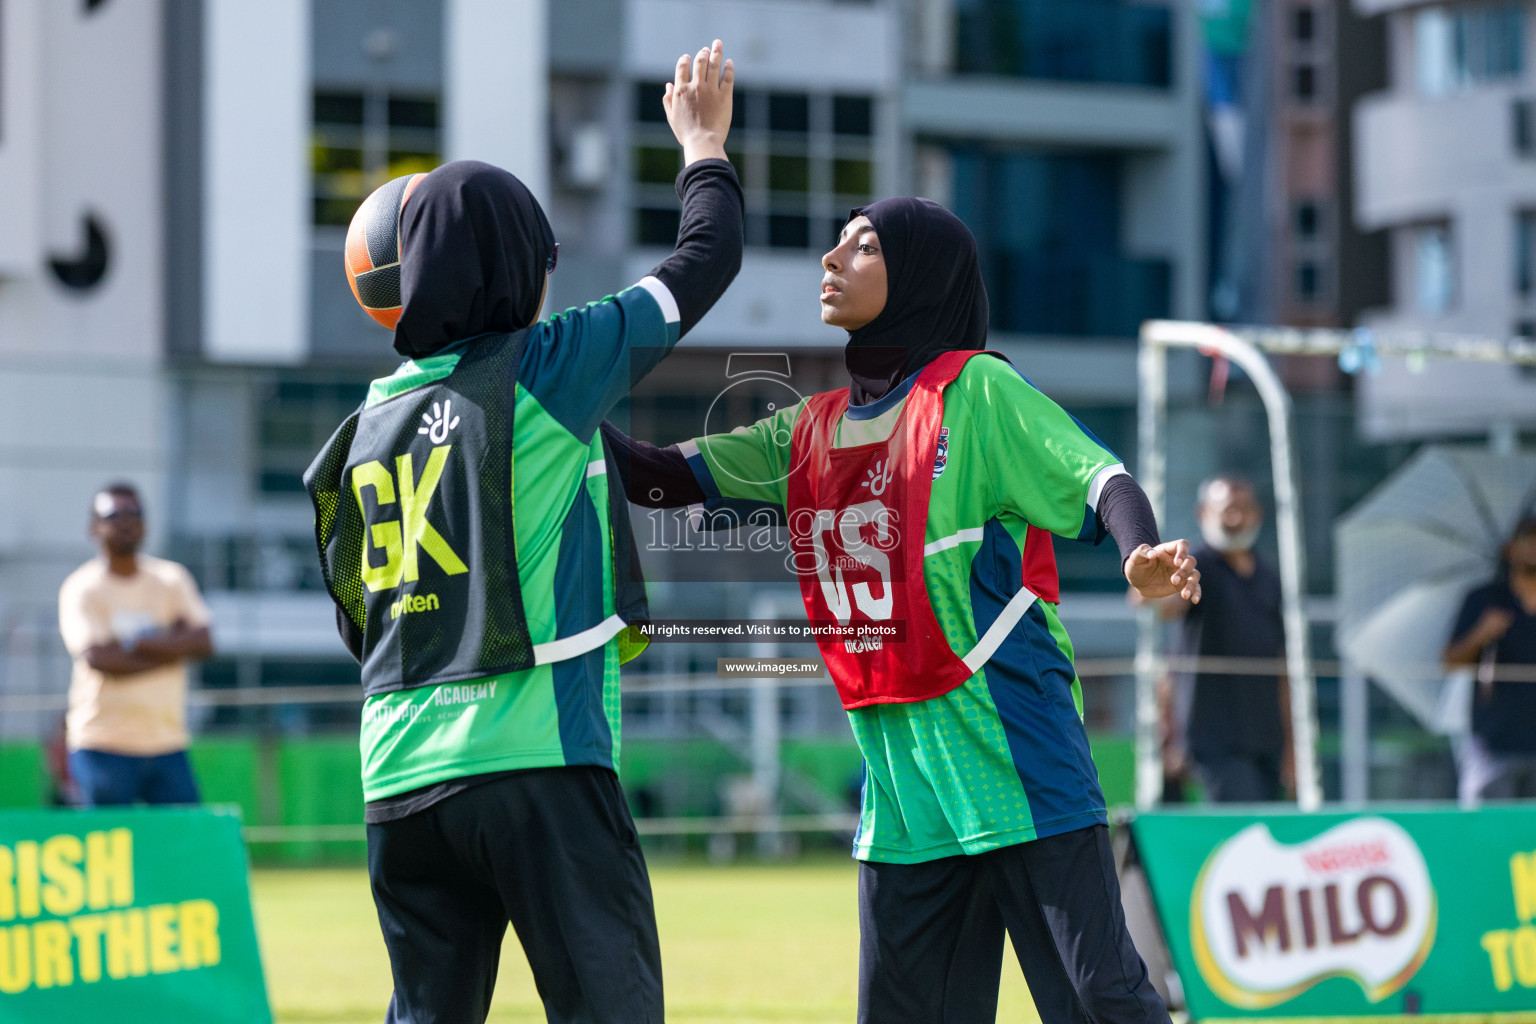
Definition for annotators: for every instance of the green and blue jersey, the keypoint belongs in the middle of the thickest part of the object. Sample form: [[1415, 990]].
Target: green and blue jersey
[[574, 368], [1004, 758]]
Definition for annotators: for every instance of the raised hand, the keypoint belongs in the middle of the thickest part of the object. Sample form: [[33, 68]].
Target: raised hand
[[1164, 571], [698, 103]]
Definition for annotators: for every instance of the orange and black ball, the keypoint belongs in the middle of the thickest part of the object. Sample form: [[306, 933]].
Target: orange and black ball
[[372, 255]]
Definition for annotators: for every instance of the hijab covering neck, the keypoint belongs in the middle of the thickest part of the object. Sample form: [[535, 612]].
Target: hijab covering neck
[[474, 245], [935, 303]]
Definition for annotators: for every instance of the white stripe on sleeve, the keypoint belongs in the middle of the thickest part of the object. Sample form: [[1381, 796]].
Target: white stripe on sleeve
[[1102, 477], [663, 298]]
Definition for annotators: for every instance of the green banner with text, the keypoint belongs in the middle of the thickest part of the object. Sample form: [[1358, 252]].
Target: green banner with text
[[135, 916], [1385, 912]]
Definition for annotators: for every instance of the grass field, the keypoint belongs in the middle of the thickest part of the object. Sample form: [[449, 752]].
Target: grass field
[[739, 944]]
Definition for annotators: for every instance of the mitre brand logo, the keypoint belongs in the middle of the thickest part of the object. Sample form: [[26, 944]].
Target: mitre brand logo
[[1268, 921]]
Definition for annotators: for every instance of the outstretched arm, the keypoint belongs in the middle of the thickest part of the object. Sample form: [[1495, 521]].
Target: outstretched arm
[[653, 477], [709, 237], [1153, 569]]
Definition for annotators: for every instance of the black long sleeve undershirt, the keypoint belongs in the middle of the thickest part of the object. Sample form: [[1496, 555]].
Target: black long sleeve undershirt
[[707, 256], [648, 470], [1126, 513]]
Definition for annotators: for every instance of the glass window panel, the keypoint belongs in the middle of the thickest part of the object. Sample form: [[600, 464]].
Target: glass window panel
[[787, 231], [338, 108], [656, 227], [1304, 82], [789, 112], [1307, 281], [657, 165], [405, 161], [328, 158], [1525, 252], [1307, 219], [853, 177], [1433, 269], [407, 112], [853, 115], [648, 105], [742, 103], [335, 212], [1304, 24], [789, 173]]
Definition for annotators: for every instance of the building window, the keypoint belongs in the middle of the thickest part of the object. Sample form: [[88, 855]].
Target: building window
[[804, 159], [1113, 41], [1525, 253], [1434, 269], [1304, 82], [363, 139], [295, 417], [1523, 127], [1309, 281], [1304, 23], [1048, 228], [1463, 47], [1308, 219]]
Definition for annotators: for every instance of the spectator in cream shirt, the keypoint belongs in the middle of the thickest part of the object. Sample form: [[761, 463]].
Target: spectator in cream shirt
[[131, 623]]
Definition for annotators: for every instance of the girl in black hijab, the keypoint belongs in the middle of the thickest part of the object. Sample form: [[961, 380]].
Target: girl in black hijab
[[475, 255], [936, 301], [981, 806], [503, 803]]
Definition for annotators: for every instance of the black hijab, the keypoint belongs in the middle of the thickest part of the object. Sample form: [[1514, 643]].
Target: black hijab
[[935, 302], [474, 247]]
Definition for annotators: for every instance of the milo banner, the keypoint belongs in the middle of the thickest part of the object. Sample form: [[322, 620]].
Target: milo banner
[[1382, 913], [131, 916]]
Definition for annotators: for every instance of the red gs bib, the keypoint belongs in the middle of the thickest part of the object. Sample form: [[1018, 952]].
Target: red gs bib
[[857, 522]]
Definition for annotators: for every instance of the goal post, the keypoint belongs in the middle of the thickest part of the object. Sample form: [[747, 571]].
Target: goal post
[[1246, 346]]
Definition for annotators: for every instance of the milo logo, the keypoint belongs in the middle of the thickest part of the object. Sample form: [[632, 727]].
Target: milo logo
[[1268, 921]]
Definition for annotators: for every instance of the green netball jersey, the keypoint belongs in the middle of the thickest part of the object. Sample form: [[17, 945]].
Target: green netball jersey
[[574, 368], [1004, 758]]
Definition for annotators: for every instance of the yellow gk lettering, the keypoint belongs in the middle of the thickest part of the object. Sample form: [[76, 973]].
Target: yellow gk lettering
[[415, 499], [402, 541], [386, 535]]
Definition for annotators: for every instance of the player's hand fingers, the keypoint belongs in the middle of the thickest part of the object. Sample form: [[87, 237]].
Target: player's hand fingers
[[728, 74], [682, 75], [701, 66], [666, 98], [716, 59]]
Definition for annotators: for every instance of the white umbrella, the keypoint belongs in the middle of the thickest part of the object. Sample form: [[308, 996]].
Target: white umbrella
[[1408, 554]]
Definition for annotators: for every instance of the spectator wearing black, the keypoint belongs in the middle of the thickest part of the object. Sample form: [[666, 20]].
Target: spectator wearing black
[[1230, 729], [1496, 630]]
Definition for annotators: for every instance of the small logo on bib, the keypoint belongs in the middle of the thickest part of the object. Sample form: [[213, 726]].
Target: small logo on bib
[[879, 476], [439, 423], [941, 459]]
